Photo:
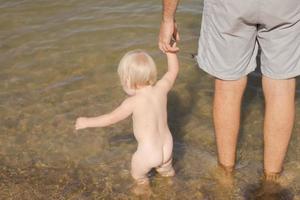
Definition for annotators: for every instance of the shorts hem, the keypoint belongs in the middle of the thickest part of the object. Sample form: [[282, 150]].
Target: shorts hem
[[281, 77], [222, 77]]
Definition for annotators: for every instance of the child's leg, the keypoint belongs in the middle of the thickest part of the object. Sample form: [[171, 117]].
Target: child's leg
[[139, 169], [166, 169]]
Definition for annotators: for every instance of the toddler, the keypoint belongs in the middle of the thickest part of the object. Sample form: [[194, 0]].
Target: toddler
[[147, 103]]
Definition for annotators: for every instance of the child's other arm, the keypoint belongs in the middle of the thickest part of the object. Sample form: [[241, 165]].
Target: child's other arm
[[170, 76], [120, 113]]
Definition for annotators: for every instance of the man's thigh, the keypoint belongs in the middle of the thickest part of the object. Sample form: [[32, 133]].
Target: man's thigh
[[279, 37], [227, 44]]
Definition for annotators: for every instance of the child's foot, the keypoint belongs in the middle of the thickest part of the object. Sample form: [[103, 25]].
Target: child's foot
[[166, 173], [142, 187]]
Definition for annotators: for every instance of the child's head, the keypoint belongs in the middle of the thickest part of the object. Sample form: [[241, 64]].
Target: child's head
[[137, 69]]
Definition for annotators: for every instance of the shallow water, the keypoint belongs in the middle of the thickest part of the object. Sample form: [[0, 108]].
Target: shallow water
[[58, 61]]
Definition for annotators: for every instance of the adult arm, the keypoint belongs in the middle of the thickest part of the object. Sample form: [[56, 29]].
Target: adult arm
[[168, 27]]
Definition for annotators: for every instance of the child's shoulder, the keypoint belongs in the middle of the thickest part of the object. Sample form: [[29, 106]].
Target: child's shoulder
[[129, 102], [131, 99], [162, 85]]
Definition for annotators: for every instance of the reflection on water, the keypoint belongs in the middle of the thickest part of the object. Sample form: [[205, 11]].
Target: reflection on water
[[58, 61]]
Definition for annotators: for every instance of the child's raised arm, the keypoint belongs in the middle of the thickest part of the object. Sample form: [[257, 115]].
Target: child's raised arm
[[120, 113], [170, 76]]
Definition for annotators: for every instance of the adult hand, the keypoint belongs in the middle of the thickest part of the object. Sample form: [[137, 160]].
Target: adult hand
[[167, 36]]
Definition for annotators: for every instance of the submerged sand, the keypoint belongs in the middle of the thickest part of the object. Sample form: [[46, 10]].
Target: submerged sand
[[58, 61]]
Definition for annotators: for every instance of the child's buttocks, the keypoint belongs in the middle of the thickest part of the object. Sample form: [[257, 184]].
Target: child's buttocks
[[153, 154]]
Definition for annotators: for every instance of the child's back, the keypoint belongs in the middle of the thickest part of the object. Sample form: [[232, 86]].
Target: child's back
[[151, 130]]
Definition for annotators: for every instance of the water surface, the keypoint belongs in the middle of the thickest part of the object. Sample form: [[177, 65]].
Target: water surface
[[58, 61]]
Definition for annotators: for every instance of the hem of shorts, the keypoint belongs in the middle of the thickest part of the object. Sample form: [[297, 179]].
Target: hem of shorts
[[281, 77], [226, 78]]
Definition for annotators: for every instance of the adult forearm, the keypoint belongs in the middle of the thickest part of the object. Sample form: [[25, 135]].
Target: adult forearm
[[169, 9]]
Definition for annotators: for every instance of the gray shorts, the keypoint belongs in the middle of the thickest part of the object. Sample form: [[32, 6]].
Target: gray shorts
[[233, 30]]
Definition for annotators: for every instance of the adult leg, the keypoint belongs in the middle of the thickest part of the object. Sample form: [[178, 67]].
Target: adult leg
[[279, 121], [226, 114]]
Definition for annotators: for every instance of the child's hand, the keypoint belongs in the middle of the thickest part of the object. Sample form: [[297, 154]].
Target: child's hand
[[81, 123], [173, 45]]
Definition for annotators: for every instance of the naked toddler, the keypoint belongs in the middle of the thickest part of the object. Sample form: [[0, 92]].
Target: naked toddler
[[147, 103]]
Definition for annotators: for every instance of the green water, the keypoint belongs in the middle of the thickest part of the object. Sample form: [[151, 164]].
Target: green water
[[58, 61]]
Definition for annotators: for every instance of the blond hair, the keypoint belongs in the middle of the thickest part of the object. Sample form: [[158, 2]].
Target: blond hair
[[137, 68]]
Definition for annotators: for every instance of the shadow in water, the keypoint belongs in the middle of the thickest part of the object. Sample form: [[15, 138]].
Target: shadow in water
[[267, 191], [179, 113], [253, 91], [176, 120]]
